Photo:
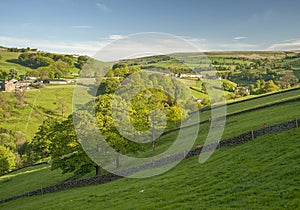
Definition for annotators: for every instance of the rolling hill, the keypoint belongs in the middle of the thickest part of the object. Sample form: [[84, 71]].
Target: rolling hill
[[260, 173]]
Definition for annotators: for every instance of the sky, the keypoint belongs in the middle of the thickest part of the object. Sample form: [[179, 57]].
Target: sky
[[85, 27]]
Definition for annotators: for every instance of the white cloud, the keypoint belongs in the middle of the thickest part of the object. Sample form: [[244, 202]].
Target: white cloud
[[239, 37], [146, 44], [116, 47], [83, 48], [115, 37], [81, 27], [103, 7], [293, 44]]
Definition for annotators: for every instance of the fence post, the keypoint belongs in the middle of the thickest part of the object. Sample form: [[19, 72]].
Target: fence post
[[252, 134]]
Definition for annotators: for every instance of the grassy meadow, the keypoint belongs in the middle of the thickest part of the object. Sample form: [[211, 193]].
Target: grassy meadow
[[41, 103], [261, 174]]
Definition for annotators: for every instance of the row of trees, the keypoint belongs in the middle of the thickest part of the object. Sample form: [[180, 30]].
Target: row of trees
[[9, 74], [56, 70], [40, 59], [48, 65]]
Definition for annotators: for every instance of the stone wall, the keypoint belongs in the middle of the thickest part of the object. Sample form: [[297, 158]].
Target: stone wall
[[101, 179]]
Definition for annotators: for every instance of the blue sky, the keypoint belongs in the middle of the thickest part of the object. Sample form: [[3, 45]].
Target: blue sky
[[83, 27]]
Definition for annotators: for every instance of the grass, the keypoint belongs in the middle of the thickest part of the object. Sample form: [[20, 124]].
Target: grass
[[5, 64], [42, 103], [237, 124], [263, 173], [255, 102], [28, 179]]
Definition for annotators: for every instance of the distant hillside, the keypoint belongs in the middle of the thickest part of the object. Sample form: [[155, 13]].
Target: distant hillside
[[260, 72], [26, 61]]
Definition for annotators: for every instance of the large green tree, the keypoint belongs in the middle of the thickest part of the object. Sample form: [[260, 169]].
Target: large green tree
[[57, 140], [104, 116]]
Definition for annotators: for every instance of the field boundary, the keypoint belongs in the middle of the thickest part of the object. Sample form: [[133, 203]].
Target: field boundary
[[105, 178], [235, 113], [248, 99]]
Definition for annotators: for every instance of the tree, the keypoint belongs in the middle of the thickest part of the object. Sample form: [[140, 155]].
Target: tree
[[107, 127], [4, 74], [42, 72], [13, 74], [110, 73], [81, 60], [20, 94], [60, 69], [5, 106], [120, 70], [62, 106], [7, 160], [42, 61], [57, 140], [109, 85], [270, 86], [152, 109], [134, 69], [67, 59], [40, 147], [7, 140], [228, 86]]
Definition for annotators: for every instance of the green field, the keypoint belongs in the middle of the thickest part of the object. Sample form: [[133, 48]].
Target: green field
[[263, 173], [42, 103], [30, 178], [6, 64], [238, 124]]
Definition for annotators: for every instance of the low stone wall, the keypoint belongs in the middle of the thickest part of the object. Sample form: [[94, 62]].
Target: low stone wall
[[105, 178], [242, 138]]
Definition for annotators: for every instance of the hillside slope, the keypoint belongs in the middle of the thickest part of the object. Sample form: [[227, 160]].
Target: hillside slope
[[261, 174]]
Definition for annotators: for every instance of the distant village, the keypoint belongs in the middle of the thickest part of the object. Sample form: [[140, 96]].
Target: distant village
[[27, 83]]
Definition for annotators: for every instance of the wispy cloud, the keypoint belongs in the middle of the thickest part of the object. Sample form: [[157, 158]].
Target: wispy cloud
[[115, 36], [238, 46], [292, 44], [146, 44], [239, 37], [84, 48], [81, 27], [103, 7]]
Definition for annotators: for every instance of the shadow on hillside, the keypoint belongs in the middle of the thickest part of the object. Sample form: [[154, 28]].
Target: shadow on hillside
[[16, 61], [297, 74]]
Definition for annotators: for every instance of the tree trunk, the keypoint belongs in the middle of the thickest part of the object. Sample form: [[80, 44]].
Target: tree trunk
[[118, 160], [153, 138], [98, 170], [153, 147]]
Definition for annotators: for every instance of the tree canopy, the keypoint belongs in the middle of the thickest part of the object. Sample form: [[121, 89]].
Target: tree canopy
[[7, 162]]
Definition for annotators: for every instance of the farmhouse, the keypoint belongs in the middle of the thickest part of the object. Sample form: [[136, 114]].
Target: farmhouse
[[8, 86], [190, 76], [23, 84], [55, 82]]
